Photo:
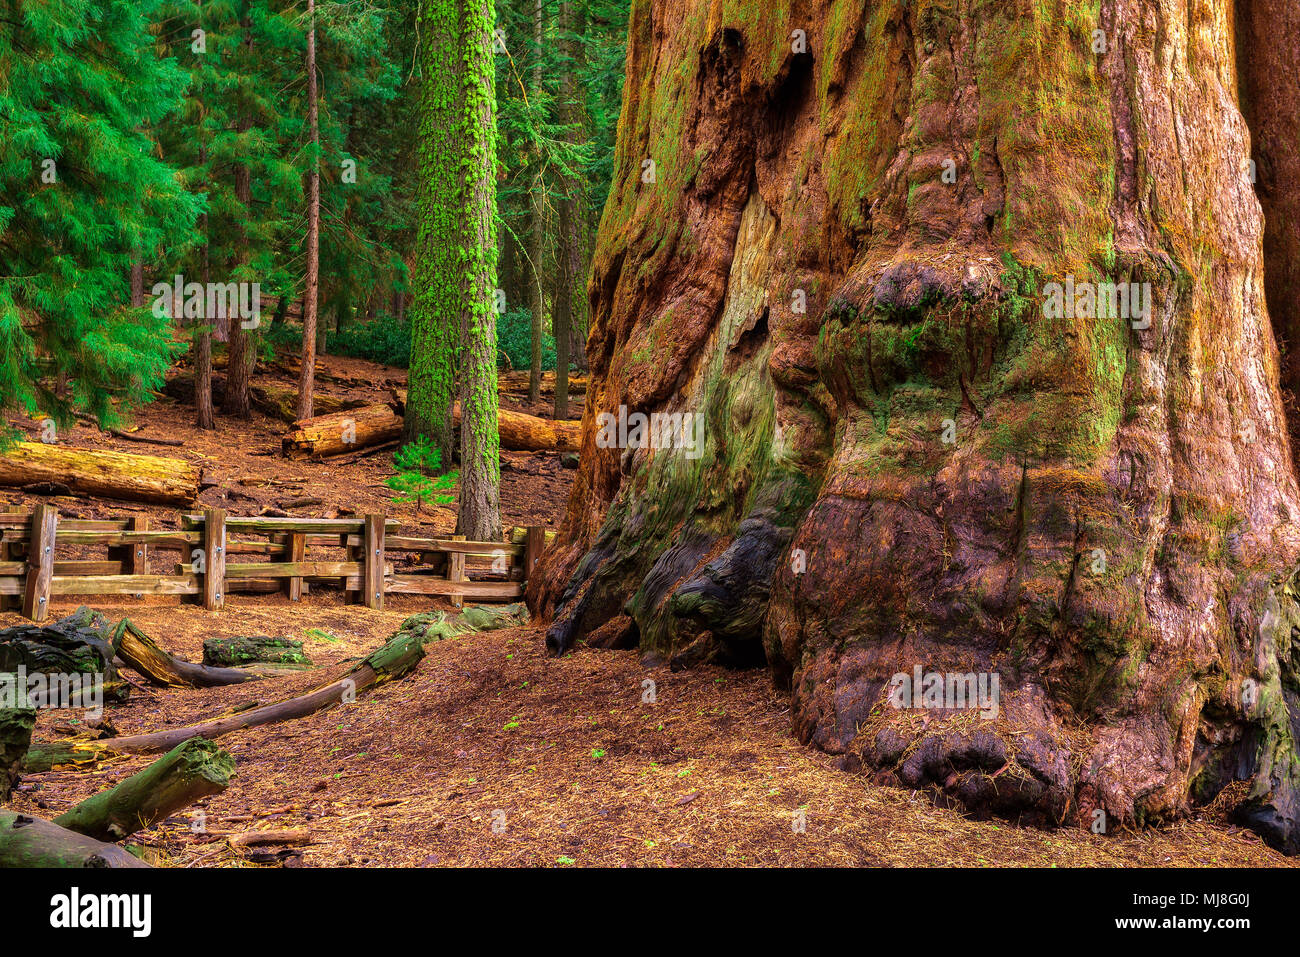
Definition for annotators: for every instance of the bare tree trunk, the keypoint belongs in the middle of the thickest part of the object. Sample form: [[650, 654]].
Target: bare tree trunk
[[137, 283], [568, 247], [241, 356], [537, 226], [203, 350], [307, 380]]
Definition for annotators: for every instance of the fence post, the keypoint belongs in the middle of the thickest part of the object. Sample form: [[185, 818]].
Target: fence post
[[373, 580], [456, 571], [297, 553], [40, 562], [9, 553], [214, 558], [140, 550], [534, 545]]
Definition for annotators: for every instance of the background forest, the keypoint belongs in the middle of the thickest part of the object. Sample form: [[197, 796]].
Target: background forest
[[178, 133]]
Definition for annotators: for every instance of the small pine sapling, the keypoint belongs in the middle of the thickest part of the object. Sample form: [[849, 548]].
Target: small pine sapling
[[418, 480]]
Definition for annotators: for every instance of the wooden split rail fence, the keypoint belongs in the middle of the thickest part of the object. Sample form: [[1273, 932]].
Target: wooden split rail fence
[[208, 543]]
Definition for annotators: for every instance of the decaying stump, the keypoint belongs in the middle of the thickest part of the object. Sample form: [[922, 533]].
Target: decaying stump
[[253, 649], [31, 842], [192, 770], [132, 478], [140, 651], [15, 739], [72, 647]]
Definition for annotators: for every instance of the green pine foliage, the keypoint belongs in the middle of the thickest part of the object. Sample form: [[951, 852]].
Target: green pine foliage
[[417, 477], [81, 190]]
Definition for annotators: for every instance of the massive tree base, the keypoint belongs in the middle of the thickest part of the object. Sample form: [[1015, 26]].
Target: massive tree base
[[920, 454]]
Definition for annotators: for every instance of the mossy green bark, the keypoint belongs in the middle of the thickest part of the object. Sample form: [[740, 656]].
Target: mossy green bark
[[437, 300]]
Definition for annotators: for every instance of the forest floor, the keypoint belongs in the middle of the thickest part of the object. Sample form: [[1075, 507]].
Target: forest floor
[[491, 754]]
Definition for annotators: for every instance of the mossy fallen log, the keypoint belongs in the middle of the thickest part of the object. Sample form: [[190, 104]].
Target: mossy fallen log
[[70, 753], [253, 649], [100, 473], [16, 726], [161, 668], [394, 660], [194, 769], [31, 842]]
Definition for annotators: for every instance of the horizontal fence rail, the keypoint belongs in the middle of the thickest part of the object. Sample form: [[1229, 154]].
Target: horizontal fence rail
[[222, 553]]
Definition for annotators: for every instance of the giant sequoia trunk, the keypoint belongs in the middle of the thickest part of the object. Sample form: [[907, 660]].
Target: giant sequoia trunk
[[833, 232]]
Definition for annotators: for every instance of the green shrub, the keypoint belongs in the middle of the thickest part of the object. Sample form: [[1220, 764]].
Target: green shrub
[[383, 340], [515, 340]]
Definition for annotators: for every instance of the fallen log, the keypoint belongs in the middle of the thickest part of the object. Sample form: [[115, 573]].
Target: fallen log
[[298, 835], [519, 431], [91, 472], [166, 670], [253, 649], [192, 770], [397, 658], [281, 402], [31, 842], [346, 431], [15, 740], [74, 753], [67, 663]]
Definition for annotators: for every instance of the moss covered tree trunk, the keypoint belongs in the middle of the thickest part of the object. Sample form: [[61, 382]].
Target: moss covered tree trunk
[[864, 242], [478, 508], [434, 316]]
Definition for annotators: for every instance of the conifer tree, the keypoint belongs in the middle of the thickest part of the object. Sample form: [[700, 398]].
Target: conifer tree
[[81, 191]]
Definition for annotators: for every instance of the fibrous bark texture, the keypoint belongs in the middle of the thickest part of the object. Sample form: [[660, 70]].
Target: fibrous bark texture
[[835, 232]]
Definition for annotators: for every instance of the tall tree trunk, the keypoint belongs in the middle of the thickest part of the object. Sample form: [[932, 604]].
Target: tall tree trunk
[[1268, 38], [241, 356], [435, 319], [478, 509], [307, 378], [537, 225], [205, 419], [937, 455], [137, 283], [568, 246]]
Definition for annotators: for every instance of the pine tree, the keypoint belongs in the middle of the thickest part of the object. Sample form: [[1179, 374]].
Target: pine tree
[[81, 193], [311, 302]]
